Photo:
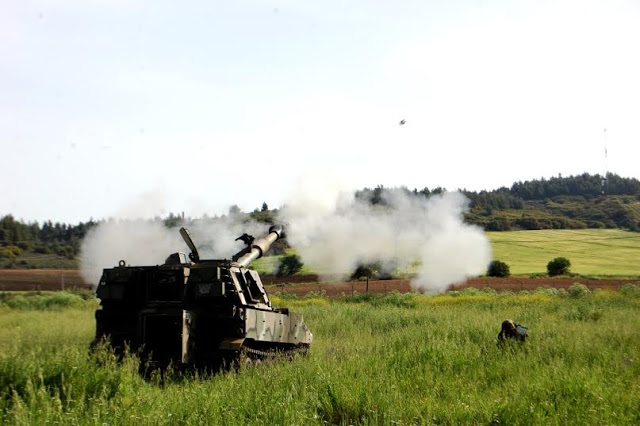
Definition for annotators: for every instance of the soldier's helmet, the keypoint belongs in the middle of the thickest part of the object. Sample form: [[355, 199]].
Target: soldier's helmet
[[509, 329]]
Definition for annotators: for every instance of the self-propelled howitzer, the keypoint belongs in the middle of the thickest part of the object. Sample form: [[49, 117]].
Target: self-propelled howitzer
[[200, 313]]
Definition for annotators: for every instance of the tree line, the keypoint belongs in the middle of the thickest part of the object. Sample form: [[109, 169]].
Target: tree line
[[584, 185], [574, 202], [18, 238], [62, 239]]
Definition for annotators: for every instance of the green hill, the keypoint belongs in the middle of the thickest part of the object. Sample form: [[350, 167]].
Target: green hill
[[561, 212], [574, 202]]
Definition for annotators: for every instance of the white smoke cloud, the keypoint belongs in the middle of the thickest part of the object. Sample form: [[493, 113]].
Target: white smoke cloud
[[335, 232], [137, 242], [215, 238], [149, 242], [332, 231]]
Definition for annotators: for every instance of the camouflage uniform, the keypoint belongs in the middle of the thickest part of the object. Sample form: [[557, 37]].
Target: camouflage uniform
[[513, 331]]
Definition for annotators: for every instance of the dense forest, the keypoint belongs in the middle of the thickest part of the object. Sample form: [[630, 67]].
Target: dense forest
[[574, 202], [59, 240]]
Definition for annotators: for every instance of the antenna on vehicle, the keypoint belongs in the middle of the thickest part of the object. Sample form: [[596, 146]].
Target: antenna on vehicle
[[605, 178]]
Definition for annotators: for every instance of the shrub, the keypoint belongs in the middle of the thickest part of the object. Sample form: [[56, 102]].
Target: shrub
[[39, 301], [548, 291], [578, 291], [25, 245], [283, 295], [630, 290], [528, 222], [470, 291], [84, 293], [366, 270], [357, 297], [498, 269], [42, 249], [316, 294], [10, 252], [394, 298], [558, 266], [583, 312], [289, 265], [499, 224], [64, 250]]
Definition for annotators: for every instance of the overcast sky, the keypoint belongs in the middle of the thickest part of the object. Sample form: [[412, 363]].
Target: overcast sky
[[144, 108]]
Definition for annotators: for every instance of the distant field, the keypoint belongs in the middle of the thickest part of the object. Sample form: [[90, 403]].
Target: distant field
[[597, 252], [31, 260], [41, 279], [603, 253], [600, 252]]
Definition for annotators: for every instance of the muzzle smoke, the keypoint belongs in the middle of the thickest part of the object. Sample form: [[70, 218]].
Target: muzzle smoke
[[142, 243], [335, 234], [332, 232]]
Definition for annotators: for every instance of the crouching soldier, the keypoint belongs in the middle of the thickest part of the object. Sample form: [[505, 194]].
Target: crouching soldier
[[512, 331]]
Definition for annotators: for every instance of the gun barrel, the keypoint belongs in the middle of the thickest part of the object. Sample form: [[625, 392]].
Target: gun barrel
[[260, 246], [187, 239]]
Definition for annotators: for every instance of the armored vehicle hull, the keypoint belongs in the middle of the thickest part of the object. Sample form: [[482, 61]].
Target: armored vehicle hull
[[200, 313]]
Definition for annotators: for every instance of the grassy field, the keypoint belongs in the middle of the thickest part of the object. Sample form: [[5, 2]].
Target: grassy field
[[600, 252], [595, 252], [398, 359], [31, 260]]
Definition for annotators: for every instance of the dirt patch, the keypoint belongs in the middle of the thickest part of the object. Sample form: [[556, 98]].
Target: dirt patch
[[41, 279], [59, 279], [334, 290], [268, 279]]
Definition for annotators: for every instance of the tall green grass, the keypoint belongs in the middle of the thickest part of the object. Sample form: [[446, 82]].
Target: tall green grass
[[395, 359], [42, 300]]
